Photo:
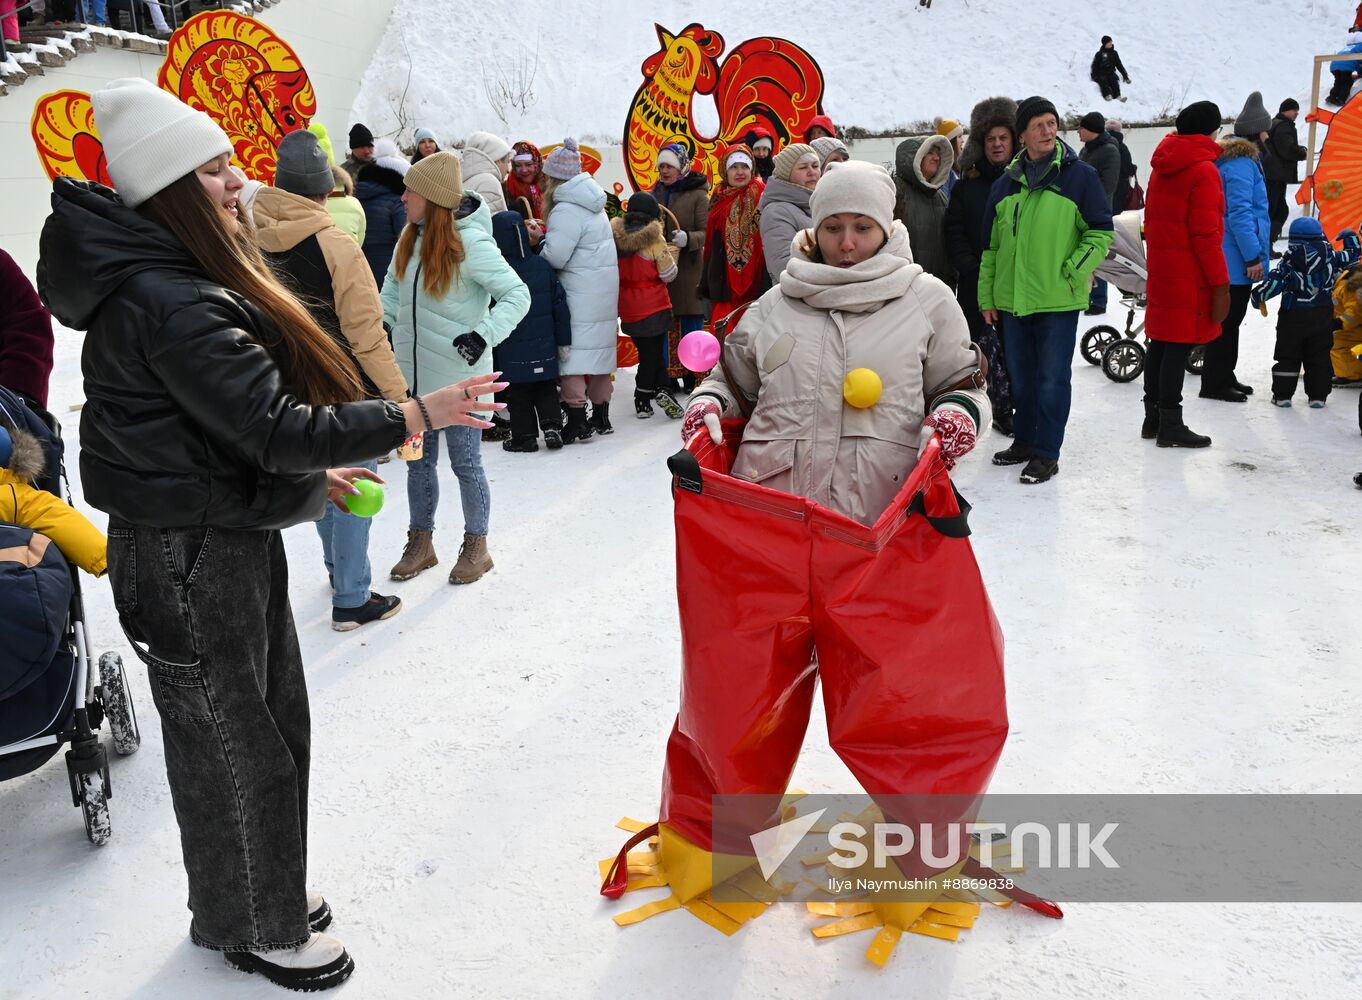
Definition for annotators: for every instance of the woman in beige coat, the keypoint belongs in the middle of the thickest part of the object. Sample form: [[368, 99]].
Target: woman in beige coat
[[850, 298]]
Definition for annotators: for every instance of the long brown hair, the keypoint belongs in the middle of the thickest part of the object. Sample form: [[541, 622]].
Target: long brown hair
[[441, 250], [315, 364]]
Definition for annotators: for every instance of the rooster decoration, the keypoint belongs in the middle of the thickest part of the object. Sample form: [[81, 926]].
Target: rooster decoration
[[246, 78], [768, 82], [1336, 183], [241, 73]]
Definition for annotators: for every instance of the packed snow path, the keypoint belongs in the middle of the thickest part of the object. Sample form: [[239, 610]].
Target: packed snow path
[[1177, 621]]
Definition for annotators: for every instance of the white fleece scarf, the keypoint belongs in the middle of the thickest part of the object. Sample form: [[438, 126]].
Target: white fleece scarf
[[863, 287]]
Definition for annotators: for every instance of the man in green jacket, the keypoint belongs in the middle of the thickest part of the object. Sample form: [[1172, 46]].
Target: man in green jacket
[[1048, 227]]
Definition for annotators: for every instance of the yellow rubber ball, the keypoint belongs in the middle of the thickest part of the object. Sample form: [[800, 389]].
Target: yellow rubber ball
[[862, 388]]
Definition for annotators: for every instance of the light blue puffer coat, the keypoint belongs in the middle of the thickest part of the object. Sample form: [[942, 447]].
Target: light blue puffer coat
[[424, 327], [581, 249]]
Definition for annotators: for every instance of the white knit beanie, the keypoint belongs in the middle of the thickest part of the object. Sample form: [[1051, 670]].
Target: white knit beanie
[[494, 147], [152, 138], [386, 154], [855, 186]]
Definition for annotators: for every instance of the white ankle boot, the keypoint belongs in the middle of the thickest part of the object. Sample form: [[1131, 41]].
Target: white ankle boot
[[321, 963]]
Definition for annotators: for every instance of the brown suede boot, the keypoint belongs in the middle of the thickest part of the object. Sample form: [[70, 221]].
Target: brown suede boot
[[473, 560], [419, 555]]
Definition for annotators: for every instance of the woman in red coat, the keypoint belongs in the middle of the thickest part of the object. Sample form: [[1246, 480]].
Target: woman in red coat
[[1189, 285]]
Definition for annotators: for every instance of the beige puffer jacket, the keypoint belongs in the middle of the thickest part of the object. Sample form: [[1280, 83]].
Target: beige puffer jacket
[[795, 345]]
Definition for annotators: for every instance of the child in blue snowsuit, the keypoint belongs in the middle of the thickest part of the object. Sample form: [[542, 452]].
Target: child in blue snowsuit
[[528, 358], [1304, 277]]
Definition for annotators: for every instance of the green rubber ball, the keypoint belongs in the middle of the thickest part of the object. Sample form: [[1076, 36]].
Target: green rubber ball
[[369, 501]]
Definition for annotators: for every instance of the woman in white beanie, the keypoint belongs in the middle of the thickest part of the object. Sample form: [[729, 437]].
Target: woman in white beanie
[[851, 297], [785, 203], [486, 164], [581, 247], [210, 423]]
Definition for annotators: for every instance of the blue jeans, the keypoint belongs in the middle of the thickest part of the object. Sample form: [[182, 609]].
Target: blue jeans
[[689, 324], [94, 11], [1040, 355], [423, 481], [1097, 298], [345, 550]]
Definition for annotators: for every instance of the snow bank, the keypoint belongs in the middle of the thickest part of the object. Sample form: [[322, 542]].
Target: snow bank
[[887, 66]]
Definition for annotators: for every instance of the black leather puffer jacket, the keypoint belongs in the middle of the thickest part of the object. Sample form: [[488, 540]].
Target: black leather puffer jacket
[[188, 419]]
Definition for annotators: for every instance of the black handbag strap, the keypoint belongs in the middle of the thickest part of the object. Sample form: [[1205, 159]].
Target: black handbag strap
[[951, 526]]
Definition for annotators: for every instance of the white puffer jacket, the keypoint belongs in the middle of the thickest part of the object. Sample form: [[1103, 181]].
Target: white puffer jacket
[[581, 248]]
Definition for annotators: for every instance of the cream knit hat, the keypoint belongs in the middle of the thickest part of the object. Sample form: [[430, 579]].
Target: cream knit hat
[[493, 147], [437, 178], [152, 138], [784, 162], [855, 186]]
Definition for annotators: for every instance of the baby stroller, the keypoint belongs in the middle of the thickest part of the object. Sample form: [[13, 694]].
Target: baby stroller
[[1119, 353], [47, 692]]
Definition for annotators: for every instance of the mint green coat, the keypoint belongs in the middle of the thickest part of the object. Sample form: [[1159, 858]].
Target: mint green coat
[[424, 327]]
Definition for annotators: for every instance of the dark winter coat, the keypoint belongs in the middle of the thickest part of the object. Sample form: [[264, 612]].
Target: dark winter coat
[[1126, 181], [379, 190], [1184, 230], [920, 204], [189, 418], [530, 353], [1247, 225], [1103, 154], [25, 335], [688, 200], [1106, 64], [963, 230], [1284, 151]]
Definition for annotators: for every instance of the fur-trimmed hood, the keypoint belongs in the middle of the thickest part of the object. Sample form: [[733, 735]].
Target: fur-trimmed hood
[[26, 461], [987, 115], [384, 177], [1234, 148], [632, 238], [908, 159]]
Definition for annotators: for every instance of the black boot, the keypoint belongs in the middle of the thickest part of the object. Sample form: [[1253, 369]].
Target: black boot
[[1013, 454], [1149, 430], [553, 438], [578, 426], [643, 404], [1173, 433], [600, 418]]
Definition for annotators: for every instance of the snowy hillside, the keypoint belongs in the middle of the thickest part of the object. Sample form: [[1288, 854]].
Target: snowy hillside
[[887, 65]]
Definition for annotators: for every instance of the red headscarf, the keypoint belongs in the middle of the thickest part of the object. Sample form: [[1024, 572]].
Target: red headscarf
[[733, 224], [532, 192]]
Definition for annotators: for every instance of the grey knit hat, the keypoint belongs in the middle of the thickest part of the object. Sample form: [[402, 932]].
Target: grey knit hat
[[302, 166], [565, 162], [1254, 119]]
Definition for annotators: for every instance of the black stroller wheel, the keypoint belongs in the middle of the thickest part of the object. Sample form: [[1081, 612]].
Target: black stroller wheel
[[118, 707], [1123, 361], [1096, 340], [1196, 360]]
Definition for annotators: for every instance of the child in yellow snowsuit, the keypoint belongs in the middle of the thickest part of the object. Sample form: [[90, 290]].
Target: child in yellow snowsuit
[[1348, 328], [21, 462]]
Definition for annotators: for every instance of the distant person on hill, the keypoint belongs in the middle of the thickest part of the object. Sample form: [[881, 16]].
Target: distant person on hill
[[1284, 151], [1101, 152], [1106, 64], [1345, 70], [361, 150]]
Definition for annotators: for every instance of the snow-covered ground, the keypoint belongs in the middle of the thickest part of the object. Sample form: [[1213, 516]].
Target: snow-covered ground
[[1176, 622], [886, 65]]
